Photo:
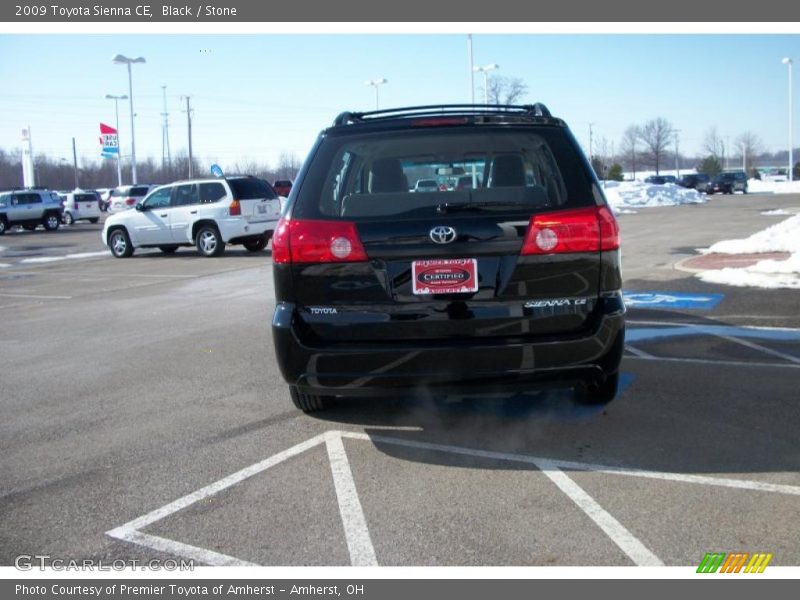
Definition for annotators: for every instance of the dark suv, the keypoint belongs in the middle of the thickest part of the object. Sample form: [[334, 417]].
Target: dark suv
[[695, 181], [728, 183], [513, 283]]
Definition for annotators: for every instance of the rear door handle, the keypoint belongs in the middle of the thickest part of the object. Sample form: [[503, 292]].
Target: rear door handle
[[163, 215]]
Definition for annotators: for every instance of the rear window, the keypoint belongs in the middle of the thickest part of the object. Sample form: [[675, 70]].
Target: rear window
[[251, 189], [139, 190], [375, 175], [85, 198], [119, 192]]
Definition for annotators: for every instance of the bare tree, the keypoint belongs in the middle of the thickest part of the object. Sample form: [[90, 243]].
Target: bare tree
[[288, 166], [506, 90], [655, 136], [629, 147], [750, 146], [714, 145]]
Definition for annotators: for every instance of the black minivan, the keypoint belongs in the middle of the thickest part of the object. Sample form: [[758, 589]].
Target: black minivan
[[511, 283]]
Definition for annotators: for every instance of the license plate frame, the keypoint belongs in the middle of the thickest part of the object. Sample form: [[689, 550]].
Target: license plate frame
[[444, 276]]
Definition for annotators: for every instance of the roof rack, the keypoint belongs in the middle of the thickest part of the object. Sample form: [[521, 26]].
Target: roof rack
[[522, 110]]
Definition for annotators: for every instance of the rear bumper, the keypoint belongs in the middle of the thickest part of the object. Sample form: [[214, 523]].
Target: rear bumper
[[373, 369], [239, 228]]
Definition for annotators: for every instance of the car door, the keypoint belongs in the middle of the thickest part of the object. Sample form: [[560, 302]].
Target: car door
[[183, 212], [151, 224]]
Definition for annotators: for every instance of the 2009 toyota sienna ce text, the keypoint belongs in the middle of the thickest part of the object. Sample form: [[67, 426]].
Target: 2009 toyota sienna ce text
[[512, 282]]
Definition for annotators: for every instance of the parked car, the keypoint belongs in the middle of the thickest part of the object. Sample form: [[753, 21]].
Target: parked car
[[656, 179], [80, 206], [206, 213], [30, 207], [513, 283], [426, 185], [728, 183], [125, 197], [695, 181], [282, 187]]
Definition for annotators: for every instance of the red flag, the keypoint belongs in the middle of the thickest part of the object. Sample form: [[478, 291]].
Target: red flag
[[106, 129]]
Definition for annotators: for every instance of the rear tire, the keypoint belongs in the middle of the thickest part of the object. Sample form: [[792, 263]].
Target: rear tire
[[3, 226], [93, 221], [602, 393], [209, 242], [308, 403], [256, 245], [68, 220], [51, 222], [168, 249], [120, 244]]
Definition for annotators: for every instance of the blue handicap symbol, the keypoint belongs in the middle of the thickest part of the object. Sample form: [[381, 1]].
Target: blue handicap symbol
[[671, 300]]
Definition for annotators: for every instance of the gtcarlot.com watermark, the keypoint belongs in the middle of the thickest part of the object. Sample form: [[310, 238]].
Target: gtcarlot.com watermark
[[29, 562]]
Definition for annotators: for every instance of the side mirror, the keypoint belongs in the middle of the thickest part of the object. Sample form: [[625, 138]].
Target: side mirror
[[141, 207]]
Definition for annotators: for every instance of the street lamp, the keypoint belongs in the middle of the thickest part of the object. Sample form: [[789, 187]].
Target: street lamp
[[788, 61], [119, 59], [485, 70], [116, 100], [375, 83]]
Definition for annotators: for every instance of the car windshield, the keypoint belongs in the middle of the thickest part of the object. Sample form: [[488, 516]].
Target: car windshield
[[368, 175]]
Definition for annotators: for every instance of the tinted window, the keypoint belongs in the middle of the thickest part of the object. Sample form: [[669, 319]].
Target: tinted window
[[159, 199], [140, 190], [32, 198], [251, 188], [211, 192], [85, 198], [185, 194], [119, 192], [368, 175]]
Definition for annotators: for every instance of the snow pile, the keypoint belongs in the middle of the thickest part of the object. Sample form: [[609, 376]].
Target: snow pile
[[635, 194], [782, 237], [758, 186], [778, 212]]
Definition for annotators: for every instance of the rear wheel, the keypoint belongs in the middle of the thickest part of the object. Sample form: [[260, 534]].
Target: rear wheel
[[209, 241], [3, 226], [120, 244], [257, 244], [93, 220], [68, 220], [51, 222], [601, 393], [308, 403]]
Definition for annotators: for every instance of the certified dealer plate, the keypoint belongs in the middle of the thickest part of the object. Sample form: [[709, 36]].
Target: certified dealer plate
[[445, 276]]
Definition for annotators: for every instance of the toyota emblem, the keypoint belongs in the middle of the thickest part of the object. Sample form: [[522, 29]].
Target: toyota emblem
[[443, 234]]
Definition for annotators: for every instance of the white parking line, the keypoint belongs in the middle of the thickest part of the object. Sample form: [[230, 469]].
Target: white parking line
[[708, 361], [48, 259], [35, 296], [624, 539], [637, 352], [359, 544], [758, 347], [357, 535]]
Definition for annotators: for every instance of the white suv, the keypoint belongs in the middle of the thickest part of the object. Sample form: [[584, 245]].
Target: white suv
[[79, 206], [206, 213]]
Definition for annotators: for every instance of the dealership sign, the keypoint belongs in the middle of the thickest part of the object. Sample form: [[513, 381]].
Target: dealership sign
[[109, 141]]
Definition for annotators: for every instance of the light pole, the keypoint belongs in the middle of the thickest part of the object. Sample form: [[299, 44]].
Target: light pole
[[116, 100], [788, 61], [471, 70], [375, 83], [119, 59], [485, 70]]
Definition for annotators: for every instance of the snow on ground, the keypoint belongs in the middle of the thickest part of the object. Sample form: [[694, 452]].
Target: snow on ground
[[781, 237], [778, 212], [624, 195], [758, 186]]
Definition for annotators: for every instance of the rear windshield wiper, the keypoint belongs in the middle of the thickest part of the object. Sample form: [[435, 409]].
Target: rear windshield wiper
[[448, 207]]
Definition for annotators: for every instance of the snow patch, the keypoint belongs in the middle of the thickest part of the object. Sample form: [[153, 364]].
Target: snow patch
[[778, 212], [626, 194], [759, 186], [48, 259], [770, 273]]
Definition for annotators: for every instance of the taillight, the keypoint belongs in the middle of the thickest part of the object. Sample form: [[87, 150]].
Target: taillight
[[316, 242], [580, 230], [130, 201], [235, 208], [75, 206]]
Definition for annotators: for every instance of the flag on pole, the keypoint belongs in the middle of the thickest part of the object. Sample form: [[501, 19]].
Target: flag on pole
[[109, 142]]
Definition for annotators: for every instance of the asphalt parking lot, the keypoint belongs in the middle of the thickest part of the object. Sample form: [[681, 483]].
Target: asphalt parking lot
[[144, 417]]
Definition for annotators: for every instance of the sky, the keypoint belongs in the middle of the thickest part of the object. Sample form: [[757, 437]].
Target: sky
[[255, 96]]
